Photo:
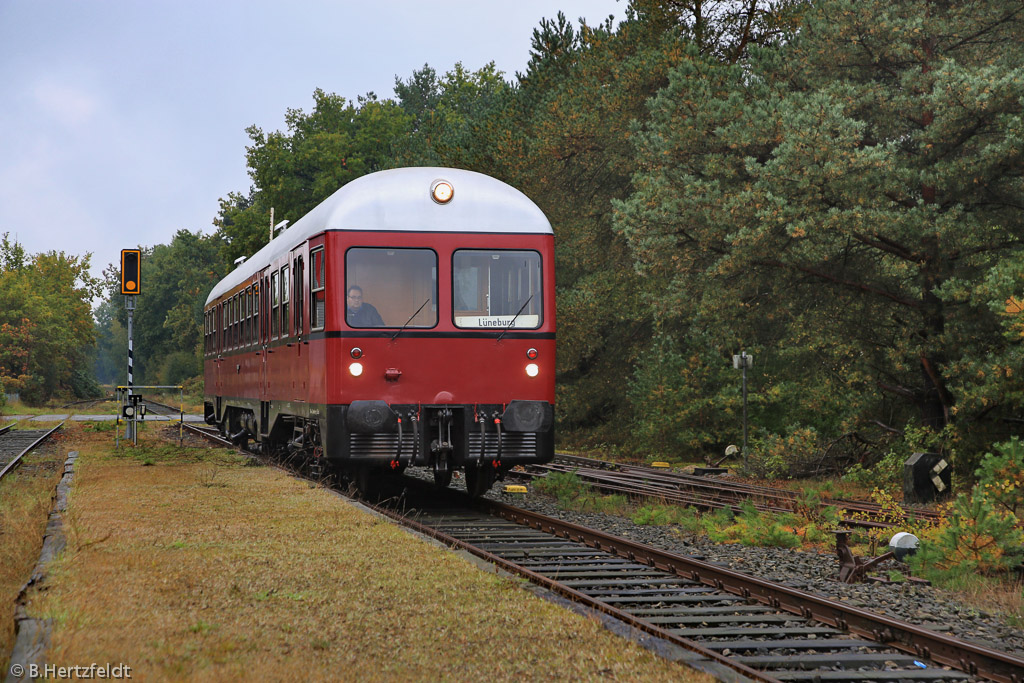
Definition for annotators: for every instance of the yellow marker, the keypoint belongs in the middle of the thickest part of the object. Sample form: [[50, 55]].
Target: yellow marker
[[514, 488], [660, 464]]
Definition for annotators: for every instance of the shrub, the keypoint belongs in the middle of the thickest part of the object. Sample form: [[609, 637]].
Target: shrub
[[887, 471], [656, 515], [178, 367], [564, 486], [574, 494], [975, 538], [1001, 477], [785, 457]]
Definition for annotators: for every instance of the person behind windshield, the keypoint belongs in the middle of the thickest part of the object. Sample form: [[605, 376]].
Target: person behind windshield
[[361, 314]]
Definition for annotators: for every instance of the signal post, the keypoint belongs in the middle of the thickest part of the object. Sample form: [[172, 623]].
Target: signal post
[[131, 267]]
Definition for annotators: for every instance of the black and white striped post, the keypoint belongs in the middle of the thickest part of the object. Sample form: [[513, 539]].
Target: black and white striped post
[[131, 277], [129, 305]]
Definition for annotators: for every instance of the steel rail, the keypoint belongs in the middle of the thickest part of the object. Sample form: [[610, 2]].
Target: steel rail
[[697, 496], [572, 594], [885, 631], [606, 475], [9, 467], [208, 435], [965, 656]]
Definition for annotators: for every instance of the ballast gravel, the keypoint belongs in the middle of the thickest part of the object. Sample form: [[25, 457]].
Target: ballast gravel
[[807, 571]]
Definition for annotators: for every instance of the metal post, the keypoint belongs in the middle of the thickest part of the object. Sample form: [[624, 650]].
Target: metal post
[[743, 360], [129, 429]]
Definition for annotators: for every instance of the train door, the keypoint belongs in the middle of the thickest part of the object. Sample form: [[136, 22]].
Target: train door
[[263, 344], [221, 333], [263, 303], [297, 324]]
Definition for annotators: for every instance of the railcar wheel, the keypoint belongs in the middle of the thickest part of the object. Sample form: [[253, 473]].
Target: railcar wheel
[[478, 480], [367, 481], [442, 479]]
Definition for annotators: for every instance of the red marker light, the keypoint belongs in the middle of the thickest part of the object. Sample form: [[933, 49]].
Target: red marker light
[[532, 354]]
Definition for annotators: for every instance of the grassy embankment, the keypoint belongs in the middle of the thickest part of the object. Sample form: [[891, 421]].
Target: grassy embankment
[[201, 567], [26, 496]]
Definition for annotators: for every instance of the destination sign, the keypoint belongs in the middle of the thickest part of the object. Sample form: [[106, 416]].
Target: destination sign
[[498, 321]]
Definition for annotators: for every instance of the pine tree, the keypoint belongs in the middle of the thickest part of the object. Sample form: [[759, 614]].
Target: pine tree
[[841, 201]]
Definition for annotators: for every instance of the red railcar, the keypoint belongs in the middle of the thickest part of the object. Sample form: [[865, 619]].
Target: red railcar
[[409, 319]]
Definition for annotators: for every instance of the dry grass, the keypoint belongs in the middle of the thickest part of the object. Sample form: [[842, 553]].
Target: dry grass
[[247, 572], [25, 500]]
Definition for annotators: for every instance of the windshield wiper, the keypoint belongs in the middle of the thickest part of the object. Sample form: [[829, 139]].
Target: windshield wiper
[[410, 319], [513, 321]]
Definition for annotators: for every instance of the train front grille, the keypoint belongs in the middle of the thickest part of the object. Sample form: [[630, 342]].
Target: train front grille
[[513, 444], [379, 445]]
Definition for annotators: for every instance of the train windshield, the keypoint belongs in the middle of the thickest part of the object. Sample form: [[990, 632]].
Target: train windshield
[[387, 287], [496, 288]]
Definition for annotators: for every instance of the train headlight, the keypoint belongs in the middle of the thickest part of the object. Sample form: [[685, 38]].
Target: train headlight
[[442, 191], [532, 370], [356, 369]]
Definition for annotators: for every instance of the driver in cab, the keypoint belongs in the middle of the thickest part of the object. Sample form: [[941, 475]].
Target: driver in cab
[[358, 313]]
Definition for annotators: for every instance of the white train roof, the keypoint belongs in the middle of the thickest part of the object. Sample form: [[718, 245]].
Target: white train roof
[[399, 200]]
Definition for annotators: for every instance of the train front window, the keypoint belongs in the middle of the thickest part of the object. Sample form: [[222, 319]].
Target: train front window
[[390, 287], [496, 288]]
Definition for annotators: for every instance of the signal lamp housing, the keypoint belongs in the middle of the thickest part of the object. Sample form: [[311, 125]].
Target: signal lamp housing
[[442, 191], [131, 266]]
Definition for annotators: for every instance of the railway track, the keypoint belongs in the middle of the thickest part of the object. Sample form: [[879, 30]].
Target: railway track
[[15, 444], [208, 433], [737, 627], [708, 493], [759, 629]]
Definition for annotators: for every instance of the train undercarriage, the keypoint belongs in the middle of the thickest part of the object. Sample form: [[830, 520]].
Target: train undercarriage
[[367, 441]]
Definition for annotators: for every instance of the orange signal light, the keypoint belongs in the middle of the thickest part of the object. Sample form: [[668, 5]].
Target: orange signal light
[[131, 266]]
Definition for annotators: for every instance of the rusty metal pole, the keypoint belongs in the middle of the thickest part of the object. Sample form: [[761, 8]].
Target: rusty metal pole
[[743, 358]]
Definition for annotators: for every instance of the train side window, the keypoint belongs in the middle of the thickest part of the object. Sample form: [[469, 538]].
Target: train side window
[[387, 287], [496, 288], [266, 310], [275, 293], [235, 301], [256, 313], [317, 286], [285, 323], [248, 315]]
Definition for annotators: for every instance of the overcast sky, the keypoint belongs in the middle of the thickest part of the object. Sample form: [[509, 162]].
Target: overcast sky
[[124, 120]]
